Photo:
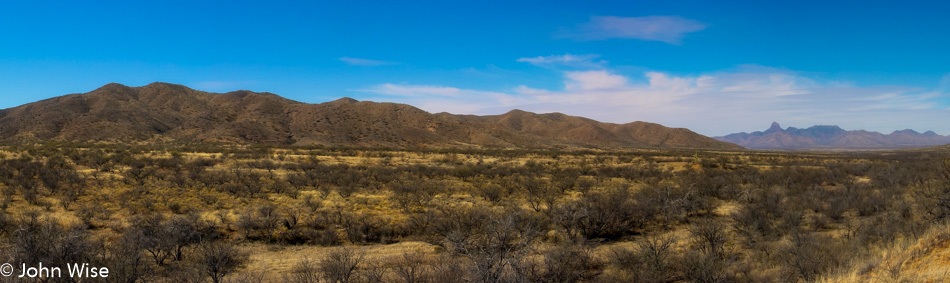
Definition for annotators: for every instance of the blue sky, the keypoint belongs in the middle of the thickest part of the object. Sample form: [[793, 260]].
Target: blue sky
[[715, 67]]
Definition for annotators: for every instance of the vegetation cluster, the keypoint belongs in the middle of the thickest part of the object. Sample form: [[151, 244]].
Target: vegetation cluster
[[204, 212]]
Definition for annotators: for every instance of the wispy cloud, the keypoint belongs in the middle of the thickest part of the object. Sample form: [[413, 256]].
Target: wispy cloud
[[669, 29], [424, 91], [569, 60], [714, 103], [435, 98], [593, 80], [944, 83], [365, 62]]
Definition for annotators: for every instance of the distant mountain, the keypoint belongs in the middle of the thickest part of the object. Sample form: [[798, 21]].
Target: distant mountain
[[832, 137], [169, 112]]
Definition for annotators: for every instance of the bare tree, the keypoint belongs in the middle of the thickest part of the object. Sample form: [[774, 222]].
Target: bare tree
[[218, 259], [126, 261], [506, 237], [340, 265], [305, 271], [651, 261], [564, 264], [709, 235], [412, 268]]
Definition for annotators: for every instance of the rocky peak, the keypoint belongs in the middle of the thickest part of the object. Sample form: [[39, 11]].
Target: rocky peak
[[774, 128]]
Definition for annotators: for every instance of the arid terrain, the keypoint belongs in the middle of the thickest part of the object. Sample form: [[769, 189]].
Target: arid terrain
[[250, 213], [474, 141], [168, 184]]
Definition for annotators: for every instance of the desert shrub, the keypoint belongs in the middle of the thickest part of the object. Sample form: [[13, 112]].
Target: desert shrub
[[564, 179], [449, 269], [564, 264], [707, 259], [347, 190], [217, 259], [305, 271], [260, 222], [154, 237], [709, 182], [673, 204], [806, 255], [125, 259], [412, 267], [539, 193], [490, 239], [706, 267], [492, 192], [507, 236], [167, 237], [374, 272], [415, 194], [365, 228], [934, 195], [752, 225], [5, 223], [308, 236], [41, 239], [340, 265], [452, 226], [609, 214], [652, 260], [709, 235]]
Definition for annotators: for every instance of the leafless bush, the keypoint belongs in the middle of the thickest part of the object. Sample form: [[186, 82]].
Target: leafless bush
[[450, 269], [709, 235], [651, 261], [498, 240], [340, 265], [219, 258], [608, 214], [564, 264], [305, 271], [365, 228], [125, 259], [706, 267], [806, 255], [374, 272], [412, 268]]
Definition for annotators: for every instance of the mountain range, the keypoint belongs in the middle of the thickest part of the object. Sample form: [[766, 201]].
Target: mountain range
[[832, 137], [166, 112]]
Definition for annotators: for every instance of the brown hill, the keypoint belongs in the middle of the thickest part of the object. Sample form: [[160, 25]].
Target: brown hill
[[169, 112]]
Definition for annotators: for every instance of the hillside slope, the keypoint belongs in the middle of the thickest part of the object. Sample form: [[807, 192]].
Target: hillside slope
[[169, 112], [925, 259]]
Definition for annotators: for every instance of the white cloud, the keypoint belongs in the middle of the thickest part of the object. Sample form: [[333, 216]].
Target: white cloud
[[569, 60], [669, 29], [425, 91], [364, 62], [593, 80], [715, 103], [440, 98]]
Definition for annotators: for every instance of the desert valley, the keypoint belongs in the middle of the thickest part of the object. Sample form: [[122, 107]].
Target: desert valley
[[474, 141], [165, 183]]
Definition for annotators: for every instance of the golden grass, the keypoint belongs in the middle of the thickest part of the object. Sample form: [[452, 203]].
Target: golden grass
[[726, 208], [925, 259], [277, 261]]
